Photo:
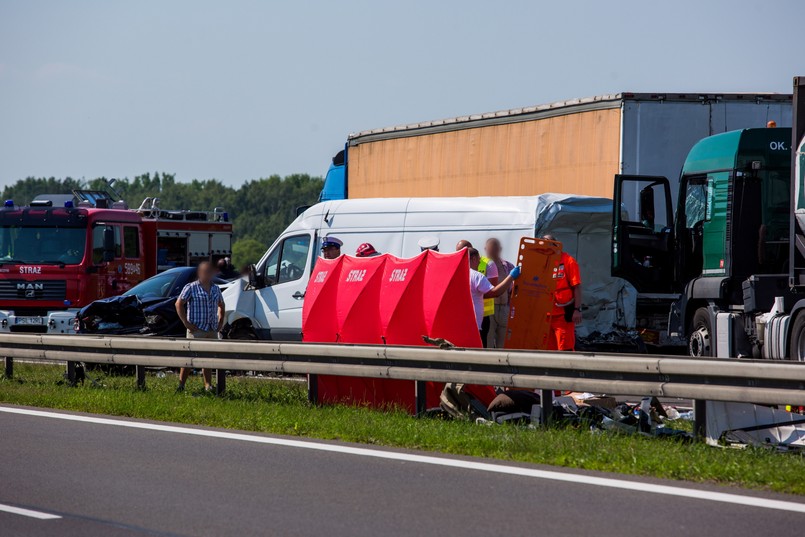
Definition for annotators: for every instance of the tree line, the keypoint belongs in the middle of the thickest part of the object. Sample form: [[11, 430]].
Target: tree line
[[259, 209]]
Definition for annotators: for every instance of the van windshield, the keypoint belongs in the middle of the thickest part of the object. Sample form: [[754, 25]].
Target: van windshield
[[42, 245]]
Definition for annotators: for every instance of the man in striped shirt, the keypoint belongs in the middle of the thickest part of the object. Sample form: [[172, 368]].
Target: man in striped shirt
[[201, 308]]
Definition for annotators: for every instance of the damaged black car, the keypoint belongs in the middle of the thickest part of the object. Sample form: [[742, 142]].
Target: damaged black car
[[148, 308]]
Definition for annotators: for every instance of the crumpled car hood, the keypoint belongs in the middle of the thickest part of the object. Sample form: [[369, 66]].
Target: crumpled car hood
[[131, 315]]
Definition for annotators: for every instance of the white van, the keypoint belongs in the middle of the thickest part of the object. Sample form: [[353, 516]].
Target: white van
[[270, 306]]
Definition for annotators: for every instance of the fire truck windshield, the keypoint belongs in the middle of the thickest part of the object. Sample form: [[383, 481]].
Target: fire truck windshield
[[42, 245]]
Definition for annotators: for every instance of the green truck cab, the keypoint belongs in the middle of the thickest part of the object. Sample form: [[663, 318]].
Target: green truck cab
[[708, 269]]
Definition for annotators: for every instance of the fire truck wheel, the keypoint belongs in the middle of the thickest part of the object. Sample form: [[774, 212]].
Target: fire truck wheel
[[700, 342]]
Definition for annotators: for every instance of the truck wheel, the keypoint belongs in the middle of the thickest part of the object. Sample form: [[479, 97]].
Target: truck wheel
[[700, 343], [796, 347]]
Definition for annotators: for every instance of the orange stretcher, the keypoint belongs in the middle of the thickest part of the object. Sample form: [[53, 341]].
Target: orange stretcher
[[532, 296]]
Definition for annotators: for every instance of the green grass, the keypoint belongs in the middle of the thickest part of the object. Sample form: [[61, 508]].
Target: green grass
[[279, 407]]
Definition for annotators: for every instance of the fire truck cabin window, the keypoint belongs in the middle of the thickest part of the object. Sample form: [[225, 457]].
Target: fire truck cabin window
[[131, 242], [97, 243]]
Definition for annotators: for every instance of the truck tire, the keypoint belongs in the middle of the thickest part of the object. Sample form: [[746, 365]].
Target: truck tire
[[796, 345], [700, 342]]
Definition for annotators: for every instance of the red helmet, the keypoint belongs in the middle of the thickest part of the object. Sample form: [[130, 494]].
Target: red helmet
[[366, 250]]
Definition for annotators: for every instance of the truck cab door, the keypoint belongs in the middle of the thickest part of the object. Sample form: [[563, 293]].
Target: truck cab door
[[284, 275], [107, 253], [642, 233]]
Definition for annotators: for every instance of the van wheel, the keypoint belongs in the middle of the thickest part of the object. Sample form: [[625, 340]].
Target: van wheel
[[796, 347], [243, 332], [700, 343]]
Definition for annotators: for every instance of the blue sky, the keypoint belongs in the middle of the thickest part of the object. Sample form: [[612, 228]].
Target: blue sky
[[238, 90]]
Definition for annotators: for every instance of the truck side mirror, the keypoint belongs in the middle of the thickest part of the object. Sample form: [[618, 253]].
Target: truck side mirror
[[256, 281], [109, 244], [647, 206]]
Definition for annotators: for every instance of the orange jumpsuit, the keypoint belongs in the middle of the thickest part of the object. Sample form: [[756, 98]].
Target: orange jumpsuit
[[562, 335]]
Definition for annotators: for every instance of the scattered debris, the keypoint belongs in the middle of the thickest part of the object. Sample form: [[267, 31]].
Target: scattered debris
[[438, 342], [595, 412], [736, 424], [457, 403], [747, 424]]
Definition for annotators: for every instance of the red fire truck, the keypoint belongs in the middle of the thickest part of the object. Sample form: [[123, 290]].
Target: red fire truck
[[60, 253]]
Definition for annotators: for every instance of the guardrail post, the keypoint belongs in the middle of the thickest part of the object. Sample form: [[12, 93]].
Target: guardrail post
[[313, 389], [421, 397], [140, 370], [546, 402], [220, 382], [699, 418], [9, 369], [71, 373]]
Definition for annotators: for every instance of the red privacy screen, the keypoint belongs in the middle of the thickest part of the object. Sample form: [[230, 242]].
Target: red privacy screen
[[318, 320], [388, 300], [357, 298], [447, 303], [401, 312]]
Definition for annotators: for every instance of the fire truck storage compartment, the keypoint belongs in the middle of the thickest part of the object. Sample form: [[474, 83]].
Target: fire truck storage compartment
[[184, 248], [172, 249], [199, 245], [209, 246], [220, 244]]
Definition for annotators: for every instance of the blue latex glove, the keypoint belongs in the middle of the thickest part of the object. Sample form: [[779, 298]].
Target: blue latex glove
[[515, 273]]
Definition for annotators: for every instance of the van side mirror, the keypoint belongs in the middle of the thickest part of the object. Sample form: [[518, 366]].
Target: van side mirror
[[256, 281], [109, 244]]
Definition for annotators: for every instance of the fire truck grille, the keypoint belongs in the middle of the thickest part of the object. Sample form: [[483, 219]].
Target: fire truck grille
[[33, 290]]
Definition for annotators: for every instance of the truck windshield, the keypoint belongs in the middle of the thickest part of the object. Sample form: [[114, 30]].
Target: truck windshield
[[696, 201], [54, 245]]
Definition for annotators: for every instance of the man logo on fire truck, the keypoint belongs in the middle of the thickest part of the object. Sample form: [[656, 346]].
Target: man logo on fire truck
[[62, 252], [28, 290]]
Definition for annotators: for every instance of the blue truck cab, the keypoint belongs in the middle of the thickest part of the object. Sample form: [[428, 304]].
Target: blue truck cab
[[335, 183]]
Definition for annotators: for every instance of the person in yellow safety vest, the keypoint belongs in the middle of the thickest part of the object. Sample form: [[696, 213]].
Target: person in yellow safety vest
[[498, 323], [490, 270]]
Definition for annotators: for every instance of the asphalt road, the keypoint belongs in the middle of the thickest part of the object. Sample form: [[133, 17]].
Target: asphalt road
[[113, 479]]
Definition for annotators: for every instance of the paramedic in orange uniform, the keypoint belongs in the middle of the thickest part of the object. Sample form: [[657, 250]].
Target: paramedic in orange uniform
[[562, 335]]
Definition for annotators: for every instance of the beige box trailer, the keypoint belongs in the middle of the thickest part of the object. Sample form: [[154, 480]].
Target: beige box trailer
[[572, 147]]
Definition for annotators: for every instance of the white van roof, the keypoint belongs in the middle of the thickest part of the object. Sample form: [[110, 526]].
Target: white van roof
[[514, 211]]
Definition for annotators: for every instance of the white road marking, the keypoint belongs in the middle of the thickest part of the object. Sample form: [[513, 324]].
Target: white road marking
[[581, 479], [27, 512]]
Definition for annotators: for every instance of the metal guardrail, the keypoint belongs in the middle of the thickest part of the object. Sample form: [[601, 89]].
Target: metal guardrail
[[717, 379]]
